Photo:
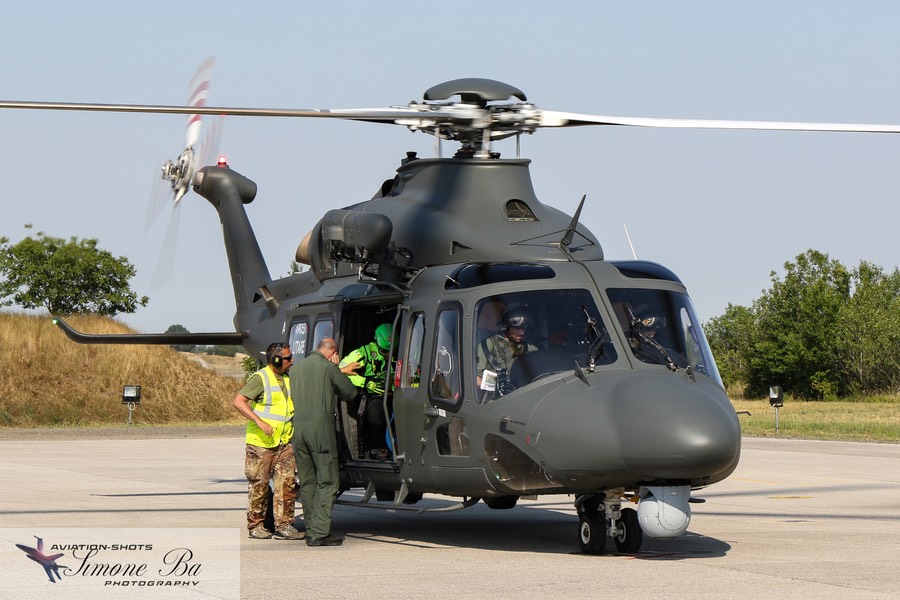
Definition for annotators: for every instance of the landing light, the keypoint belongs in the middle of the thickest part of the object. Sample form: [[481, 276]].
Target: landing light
[[131, 395]]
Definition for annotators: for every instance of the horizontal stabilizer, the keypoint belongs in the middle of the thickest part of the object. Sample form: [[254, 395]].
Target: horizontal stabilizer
[[232, 338]]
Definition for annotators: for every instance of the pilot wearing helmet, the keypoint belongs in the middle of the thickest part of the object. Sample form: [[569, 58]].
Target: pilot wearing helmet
[[495, 355], [650, 322], [370, 379], [644, 340]]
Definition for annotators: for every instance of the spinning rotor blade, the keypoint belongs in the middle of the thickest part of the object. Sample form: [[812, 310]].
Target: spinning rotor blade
[[165, 263], [179, 173], [423, 116], [353, 114], [551, 118], [199, 94], [483, 113]]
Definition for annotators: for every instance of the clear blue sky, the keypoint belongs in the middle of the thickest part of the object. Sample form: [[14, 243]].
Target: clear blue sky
[[720, 208]]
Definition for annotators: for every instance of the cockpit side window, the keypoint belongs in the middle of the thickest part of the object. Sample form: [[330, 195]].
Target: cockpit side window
[[662, 328], [521, 337], [446, 383]]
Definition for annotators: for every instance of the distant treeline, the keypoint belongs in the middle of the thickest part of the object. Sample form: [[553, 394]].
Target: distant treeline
[[213, 350], [823, 331]]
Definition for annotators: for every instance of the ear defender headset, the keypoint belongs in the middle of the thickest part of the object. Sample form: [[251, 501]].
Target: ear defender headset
[[277, 360]]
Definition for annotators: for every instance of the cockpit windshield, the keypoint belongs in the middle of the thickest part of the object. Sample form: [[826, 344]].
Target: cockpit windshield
[[662, 328], [523, 336]]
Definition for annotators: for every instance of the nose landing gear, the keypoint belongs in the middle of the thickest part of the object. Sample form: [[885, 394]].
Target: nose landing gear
[[601, 517]]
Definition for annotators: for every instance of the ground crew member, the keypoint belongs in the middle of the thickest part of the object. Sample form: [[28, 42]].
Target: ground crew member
[[319, 383], [265, 400]]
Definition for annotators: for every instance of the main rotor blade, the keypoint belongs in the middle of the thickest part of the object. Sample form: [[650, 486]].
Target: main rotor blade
[[551, 118], [357, 114]]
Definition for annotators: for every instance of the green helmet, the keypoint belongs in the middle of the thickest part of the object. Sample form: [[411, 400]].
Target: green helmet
[[383, 335]]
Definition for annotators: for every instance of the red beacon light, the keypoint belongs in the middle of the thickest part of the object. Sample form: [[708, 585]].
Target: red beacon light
[[222, 161]]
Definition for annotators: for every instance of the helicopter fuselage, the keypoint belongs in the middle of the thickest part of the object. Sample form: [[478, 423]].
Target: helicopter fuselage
[[613, 393]]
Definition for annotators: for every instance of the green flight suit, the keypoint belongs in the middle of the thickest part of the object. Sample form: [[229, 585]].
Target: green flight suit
[[317, 384]]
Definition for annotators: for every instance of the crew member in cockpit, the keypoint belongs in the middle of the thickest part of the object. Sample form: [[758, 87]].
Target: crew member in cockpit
[[644, 342], [494, 356]]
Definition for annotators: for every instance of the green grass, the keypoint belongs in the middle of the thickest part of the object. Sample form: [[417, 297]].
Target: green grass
[[870, 419]]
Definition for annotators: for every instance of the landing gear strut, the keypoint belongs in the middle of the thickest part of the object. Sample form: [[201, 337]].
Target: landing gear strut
[[601, 517]]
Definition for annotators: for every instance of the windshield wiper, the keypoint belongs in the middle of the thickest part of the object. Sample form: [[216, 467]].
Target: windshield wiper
[[637, 337], [595, 337]]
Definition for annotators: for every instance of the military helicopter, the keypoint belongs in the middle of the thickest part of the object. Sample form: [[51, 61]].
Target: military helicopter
[[613, 395]]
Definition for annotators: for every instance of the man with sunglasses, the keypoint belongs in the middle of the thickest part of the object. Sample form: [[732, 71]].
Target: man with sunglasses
[[265, 401]]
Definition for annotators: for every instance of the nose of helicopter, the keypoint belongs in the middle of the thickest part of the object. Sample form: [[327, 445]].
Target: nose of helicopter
[[675, 429], [628, 430]]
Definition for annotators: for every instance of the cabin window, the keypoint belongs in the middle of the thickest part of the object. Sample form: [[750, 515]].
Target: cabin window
[[662, 329], [475, 274], [298, 338], [324, 329], [414, 352], [446, 384], [522, 337]]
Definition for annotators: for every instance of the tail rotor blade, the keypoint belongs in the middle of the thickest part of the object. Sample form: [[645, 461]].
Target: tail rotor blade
[[199, 94], [157, 200], [209, 147], [165, 263]]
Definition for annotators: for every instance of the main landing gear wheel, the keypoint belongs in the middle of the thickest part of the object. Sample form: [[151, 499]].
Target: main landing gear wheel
[[592, 532], [629, 537]]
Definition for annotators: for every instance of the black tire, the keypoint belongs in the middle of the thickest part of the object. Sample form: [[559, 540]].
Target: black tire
[[629, 540], [591, 532], [501, 502]]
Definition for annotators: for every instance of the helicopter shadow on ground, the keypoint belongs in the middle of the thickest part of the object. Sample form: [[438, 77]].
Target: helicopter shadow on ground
[[533, 527]]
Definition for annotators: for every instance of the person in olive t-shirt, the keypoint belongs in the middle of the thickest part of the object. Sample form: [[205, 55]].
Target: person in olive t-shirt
[[265, 400]]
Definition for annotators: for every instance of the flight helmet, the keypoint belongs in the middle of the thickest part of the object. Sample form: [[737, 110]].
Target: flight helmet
[[383, 336]]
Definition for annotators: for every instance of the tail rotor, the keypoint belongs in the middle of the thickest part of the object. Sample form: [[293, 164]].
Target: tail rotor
[[179, 172]]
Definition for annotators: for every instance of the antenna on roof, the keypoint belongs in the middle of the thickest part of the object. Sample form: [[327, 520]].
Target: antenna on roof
[[633, 253]]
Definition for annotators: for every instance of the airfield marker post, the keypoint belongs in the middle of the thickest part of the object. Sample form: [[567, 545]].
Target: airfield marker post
[[776, 401], [131, 395]]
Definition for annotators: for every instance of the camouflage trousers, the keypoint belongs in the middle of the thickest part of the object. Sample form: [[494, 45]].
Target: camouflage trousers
[[261, 465]]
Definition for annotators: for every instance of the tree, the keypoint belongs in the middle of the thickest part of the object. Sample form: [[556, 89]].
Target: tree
[[868, 332], [822, 331], [730, 337], [178, 328], [66, 277], [797, 326]]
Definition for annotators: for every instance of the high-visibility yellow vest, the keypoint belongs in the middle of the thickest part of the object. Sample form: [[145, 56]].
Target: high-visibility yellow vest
[[276, 409]]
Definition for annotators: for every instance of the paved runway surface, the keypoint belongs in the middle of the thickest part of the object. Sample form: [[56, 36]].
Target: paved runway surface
[[798, 519]]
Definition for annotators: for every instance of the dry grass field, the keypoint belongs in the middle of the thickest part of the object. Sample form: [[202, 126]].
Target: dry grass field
[[48, 380]]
